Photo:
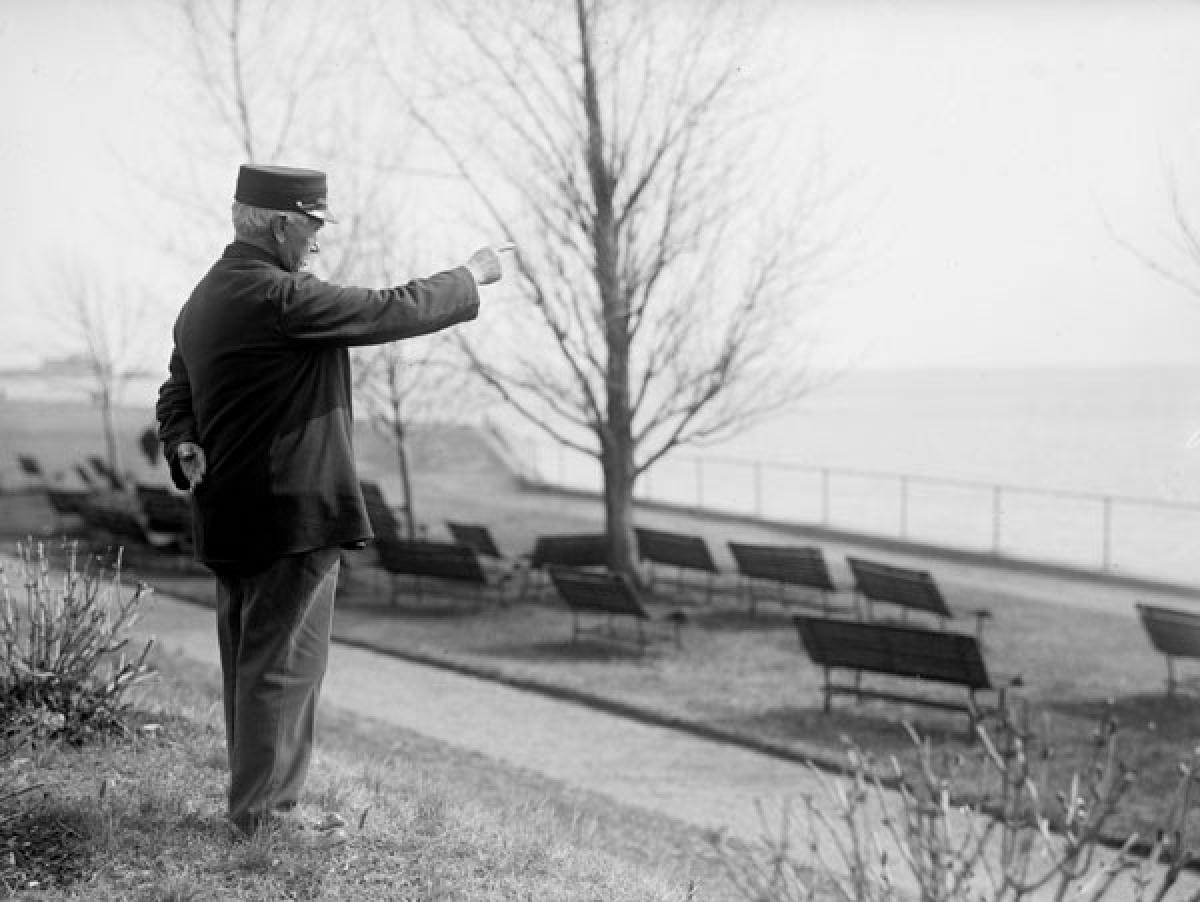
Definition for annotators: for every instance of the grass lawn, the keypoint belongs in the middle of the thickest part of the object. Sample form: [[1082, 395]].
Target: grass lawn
[[142, 817], [748, 674]]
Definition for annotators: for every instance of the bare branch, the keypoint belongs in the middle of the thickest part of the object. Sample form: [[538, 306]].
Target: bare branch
[[610, 141]]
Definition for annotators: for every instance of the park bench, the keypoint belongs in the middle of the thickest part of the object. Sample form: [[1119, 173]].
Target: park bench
[[910, 590], [577, 550], [573, 550], [782, 565], [67, 501], [475, 535], [166, 513], [115, 517], [607, 595], [899, 651], [379, 512], [88, 479], [499, 568], [1174, 633], [672, 549], [67, 505], [423, 559], [112, 479], [31, 467]]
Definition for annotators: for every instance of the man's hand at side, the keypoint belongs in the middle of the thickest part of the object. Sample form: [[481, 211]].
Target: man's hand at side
[[192, 462]]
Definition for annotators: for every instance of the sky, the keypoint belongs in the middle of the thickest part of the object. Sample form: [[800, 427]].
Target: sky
[[992, 154]]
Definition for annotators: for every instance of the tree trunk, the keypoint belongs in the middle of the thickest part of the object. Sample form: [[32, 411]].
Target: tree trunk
[[110, 437], [618, 510], [616, 432], [398, 433]]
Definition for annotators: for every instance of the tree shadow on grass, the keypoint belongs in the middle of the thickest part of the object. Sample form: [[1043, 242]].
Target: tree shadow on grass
[[874, 727], [439, 608], [589, 649], [740, 620], [1172, 719]]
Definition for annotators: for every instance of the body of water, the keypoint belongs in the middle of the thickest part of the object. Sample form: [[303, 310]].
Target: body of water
[[1096, 468], [1119, 432]]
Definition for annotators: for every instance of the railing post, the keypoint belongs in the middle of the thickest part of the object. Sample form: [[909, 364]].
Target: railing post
[[995, 519], [824, 496], [758, 507], [1107, 507]]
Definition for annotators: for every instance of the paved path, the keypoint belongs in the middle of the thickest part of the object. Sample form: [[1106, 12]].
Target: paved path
[[707, 784]]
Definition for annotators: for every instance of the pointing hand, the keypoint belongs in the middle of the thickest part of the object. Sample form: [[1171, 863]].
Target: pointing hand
[[485, 266]]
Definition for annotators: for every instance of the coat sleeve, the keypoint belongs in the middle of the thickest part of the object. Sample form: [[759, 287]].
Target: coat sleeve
[[176, 420], [317, 312]]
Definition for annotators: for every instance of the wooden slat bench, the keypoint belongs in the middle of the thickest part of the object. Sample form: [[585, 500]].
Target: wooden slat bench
[[609, 595], [112, 479], [115, 517], [910, 590], [67, 501], [589, 550], [894, 650], [683, 552], [380, 514], [1174, 633], [573, 550], [783, 565], [166, 513], [423, 558], [31, 466], [475, 535]]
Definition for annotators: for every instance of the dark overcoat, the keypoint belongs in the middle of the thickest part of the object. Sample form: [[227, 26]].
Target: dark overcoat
[[260, 379]]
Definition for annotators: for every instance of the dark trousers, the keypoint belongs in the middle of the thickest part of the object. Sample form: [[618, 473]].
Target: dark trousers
[[273, 626]]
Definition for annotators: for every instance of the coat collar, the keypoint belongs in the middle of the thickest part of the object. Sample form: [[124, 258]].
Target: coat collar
[[241, 250]]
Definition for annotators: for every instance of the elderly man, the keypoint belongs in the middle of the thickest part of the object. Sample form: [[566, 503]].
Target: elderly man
[[255, 419]]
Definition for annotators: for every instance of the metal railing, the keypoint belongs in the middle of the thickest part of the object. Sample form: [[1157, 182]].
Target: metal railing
[[1157, 539]]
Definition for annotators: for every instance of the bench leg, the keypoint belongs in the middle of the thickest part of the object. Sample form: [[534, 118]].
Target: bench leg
[[828, 690], [1170, 677]]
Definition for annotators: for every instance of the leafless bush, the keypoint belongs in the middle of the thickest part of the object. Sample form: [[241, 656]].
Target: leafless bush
[[884, 836], [64, 669]]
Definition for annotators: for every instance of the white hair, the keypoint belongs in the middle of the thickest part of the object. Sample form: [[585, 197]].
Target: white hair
[[255, 222]]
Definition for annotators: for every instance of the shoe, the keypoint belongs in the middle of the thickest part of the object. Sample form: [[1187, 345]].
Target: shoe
[[308, 838], [294, 829], [328, 820]]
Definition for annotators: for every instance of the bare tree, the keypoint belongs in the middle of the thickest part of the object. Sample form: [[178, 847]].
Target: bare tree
[[108, 328], [404, 383], [1183, 267], [265, 82], [614, 144]]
